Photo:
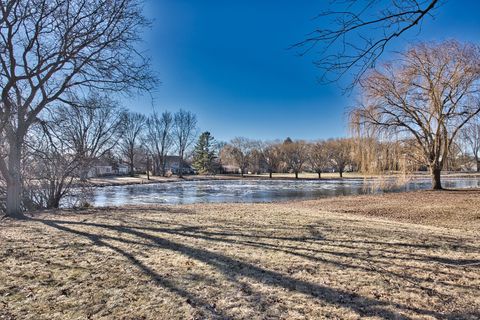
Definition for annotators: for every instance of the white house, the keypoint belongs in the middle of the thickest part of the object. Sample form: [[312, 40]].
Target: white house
[[100, 170], [231, 169], [172, 164], [123, 169]]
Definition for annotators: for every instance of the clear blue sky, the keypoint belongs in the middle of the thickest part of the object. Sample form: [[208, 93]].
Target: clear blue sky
[[227, 61]]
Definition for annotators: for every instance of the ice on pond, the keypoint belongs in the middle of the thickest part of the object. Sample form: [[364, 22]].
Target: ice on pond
[[202, 191]]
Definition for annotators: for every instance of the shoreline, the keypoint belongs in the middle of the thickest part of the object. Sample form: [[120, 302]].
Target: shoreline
[[142, 179], [368, 205]]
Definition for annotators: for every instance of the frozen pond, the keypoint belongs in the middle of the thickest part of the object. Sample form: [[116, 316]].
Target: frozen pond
[[248, 190]]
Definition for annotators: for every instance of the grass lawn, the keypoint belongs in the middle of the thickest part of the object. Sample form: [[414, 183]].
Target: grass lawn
[[413, 256]]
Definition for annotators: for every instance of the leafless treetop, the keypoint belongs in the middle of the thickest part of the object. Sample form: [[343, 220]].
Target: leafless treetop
[[49, 47]]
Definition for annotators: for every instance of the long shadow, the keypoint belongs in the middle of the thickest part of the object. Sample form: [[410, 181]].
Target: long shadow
[[190, 298], [128, 209], [197, 233], [458, 262], [452, 242], [232, 268], [295, 252]]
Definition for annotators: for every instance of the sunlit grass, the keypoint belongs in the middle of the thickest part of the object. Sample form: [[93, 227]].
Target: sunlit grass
[[389, 256]]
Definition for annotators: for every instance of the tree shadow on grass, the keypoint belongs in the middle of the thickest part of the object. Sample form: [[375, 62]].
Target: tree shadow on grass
[[232, 268], [255, 240], [98, 240]]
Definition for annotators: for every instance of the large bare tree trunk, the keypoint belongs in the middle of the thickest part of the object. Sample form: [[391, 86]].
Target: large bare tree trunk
[[132, 165], [164, 167], [296, 175], [132, 170], [14, 181], [180, 166], [436, 179], [54, 202], [148, 167], [84, 169], [319, 174]]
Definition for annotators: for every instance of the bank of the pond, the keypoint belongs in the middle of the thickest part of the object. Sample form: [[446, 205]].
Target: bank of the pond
[[408, 255], [109, 181]]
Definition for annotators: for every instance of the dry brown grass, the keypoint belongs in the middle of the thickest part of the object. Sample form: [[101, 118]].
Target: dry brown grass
[[300, 260], [459, 209]]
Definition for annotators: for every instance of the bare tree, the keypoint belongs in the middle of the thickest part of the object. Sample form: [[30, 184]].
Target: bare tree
[[142, 157], [184, 133], [339, 151], [91, 127], [50, 168], [272, 154], [159, 136], [471, 136], [429, 93], [256, 159], [361, 31], [295, 155], [133, 125], [48, 48], [238, 152], [456, 158], [318, 157]]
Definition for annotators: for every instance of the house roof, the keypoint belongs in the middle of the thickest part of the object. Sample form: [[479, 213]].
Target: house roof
[[175, 159], [100, 163]]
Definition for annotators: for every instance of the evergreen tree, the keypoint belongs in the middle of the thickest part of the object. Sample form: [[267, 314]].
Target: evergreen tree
[[204, 153]]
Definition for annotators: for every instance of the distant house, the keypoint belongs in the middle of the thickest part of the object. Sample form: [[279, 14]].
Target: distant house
[[469, 166], [172, 165], [100, 169], [123, 169], [230, 169]]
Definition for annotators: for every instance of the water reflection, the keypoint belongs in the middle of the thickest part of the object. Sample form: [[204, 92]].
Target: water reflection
[[187, 192]]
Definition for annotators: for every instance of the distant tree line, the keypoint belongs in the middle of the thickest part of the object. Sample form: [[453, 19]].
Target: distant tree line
[[294, 156], [359, 153]]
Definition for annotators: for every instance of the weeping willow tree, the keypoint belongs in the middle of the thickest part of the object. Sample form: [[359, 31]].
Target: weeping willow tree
[[427, 94], [365, 148], [373, 152]]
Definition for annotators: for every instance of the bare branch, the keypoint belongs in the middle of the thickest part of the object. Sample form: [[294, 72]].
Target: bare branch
[[361, 33]]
